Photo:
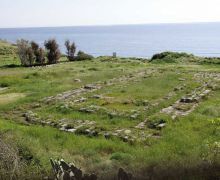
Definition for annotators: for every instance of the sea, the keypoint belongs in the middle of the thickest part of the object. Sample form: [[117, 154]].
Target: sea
[[142, 41]]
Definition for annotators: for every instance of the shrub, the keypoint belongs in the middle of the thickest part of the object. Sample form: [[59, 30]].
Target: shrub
[[71, 50], [30, 53], [3, 85], [53, 54], [10, 163], [25, 52], [120, 156], [38, 52], [170, 57], [83, 56]]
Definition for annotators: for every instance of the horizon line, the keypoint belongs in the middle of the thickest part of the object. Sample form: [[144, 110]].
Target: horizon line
[[112, 25]]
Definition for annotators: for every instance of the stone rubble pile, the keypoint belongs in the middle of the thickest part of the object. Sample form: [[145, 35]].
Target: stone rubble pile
[[72, 93], [187, 104], [152, 125], [142, 125], [65, 171], [87, 128], [62, 124]]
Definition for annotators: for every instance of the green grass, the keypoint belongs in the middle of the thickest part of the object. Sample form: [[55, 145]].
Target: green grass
[[187, 143]]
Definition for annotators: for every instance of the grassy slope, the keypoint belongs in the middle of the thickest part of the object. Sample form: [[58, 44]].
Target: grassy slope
[[186, 143]]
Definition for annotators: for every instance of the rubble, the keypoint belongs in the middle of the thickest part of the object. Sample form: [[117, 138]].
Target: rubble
[[77, 80], [142, 125], [69, 171], [65, 171], [187, 104]]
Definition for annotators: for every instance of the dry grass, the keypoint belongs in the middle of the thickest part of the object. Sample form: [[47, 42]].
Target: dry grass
[[9, 161], [10, 97]]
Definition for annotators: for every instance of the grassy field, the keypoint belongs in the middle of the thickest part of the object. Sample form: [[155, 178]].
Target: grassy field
[[109, 113]]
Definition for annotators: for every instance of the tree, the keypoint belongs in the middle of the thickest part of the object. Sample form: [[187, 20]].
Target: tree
[[53, 54], [25, 53], [71, 50], [41, 56], [38, 52]]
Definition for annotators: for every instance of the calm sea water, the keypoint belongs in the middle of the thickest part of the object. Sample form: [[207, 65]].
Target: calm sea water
[[129, 40]]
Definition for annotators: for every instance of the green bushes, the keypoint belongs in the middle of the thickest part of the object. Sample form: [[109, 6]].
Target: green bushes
[[31, 54], [175, 57], [53, 54], [83, 56], [71, 50], [3, 85], [38, 52], [25, 52], [170, 57]]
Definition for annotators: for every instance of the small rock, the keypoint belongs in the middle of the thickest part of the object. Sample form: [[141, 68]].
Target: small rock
[[112, 115], [161, 126], [94, 133], [63, 127], [127, 131], [77, 80], [187, 100], [206, 91], [71, 130], [181, 79], [87, 131], [119, 130], [125, 138], [97, 97], [178, 88], [90, 87], [142, 124], [134, 116], [85, 110], [82, 99], [37, 105], [107, 136]]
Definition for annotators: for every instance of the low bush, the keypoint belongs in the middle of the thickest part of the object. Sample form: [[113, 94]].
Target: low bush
[[12, 165], [123, 157], [83, 56], [3, 85], [170, 57]]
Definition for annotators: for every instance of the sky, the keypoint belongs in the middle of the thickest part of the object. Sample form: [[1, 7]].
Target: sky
[[51, 13]]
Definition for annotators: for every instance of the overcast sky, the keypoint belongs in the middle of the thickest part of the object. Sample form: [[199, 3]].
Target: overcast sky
[[44, 13]]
